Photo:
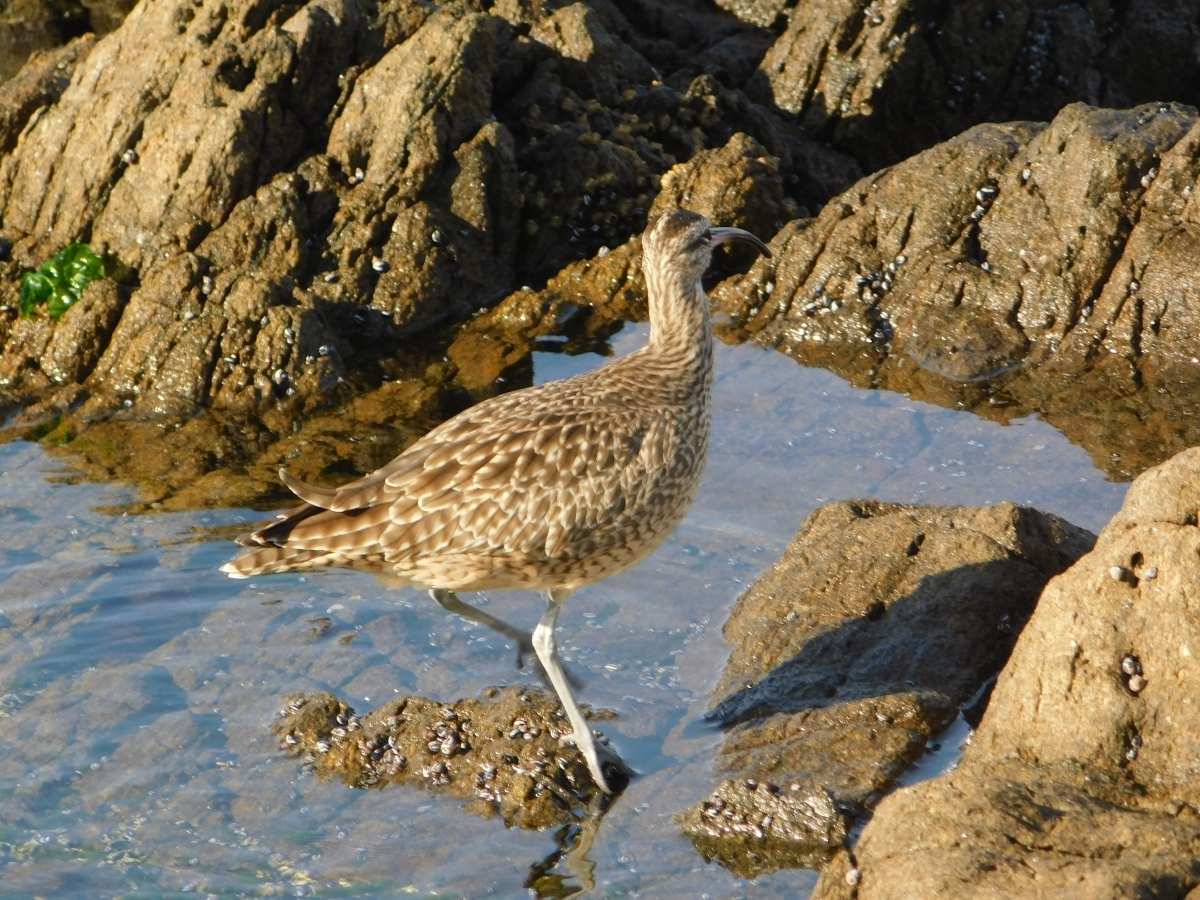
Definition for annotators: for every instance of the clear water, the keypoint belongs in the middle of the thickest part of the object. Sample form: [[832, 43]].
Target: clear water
[[138, 685]]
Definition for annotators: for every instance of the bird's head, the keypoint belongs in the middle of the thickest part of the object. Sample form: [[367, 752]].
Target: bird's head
[[678, 246]]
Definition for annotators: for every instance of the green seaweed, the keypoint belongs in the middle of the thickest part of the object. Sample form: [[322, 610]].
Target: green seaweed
[[60, 281]]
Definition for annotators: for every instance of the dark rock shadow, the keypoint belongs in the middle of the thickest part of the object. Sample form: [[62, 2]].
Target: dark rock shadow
[[884, 81], [948, 637]]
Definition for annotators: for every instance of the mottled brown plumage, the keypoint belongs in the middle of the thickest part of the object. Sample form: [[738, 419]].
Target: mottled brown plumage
[[548, 488]]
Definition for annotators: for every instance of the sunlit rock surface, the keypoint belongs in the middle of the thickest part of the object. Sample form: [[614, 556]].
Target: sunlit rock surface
[[279, 179], [1015, 269], [862, 642], [303, 203], [333, 225], [1083, 771]]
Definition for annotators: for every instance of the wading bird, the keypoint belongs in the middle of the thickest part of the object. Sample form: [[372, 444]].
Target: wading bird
[[549, 488]]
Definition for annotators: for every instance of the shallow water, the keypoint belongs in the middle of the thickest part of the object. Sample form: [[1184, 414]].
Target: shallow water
[[138, 685]]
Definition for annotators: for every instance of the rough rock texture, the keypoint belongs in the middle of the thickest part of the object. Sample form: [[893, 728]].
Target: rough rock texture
[[1015, 269], [883, 80], [738, 184], [280, 358], [502, 751], [295, 197], [292, 198], [1083, 778], [879, 621]]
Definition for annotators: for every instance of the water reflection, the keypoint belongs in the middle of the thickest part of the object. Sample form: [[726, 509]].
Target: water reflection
[[138, 686]]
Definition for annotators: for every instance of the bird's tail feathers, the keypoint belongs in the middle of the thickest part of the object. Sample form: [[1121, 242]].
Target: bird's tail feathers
[[317, 496], [270, 560], [277, 532]]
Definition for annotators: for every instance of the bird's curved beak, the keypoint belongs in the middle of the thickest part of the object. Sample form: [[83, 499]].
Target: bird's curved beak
[[725, 234]]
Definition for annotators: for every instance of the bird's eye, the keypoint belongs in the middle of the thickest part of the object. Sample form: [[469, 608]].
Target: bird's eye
[[702, 241]]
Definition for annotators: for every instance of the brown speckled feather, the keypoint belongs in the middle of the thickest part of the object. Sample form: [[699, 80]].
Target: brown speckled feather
[[554, 486]]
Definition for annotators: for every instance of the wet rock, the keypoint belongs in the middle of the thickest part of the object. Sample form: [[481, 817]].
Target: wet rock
[[1015, 269], [882, 81], [862, 642], [755, 826], [502, 752], [220, 458], [1073, 777], [494, 351]]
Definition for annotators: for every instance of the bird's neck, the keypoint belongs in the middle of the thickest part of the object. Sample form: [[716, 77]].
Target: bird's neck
[[679, 320]]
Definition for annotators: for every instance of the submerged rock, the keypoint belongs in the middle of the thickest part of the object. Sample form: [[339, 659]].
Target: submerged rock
[[862, 642], [1015, 269], [1083, 770], [502, 752]]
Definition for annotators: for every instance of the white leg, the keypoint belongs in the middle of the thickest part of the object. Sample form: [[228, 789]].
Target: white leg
[[450, 602], [547, 651]]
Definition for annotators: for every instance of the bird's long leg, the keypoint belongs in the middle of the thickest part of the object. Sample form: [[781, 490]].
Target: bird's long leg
[[450, 602], [547, 651]]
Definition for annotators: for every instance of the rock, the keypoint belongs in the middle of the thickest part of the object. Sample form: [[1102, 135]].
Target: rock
[[83, 333], [587, 301], [443, 262], [293, 198], [221, 458], [576, 32], [40, 83], [26, 341], [212, 326], [207, 129], [882, 81], [1015, 269], [752, 827], [1031, 831], [29, 27], [739, 185], [502, 752], [106, 15], [861, 643], [1073, 777]]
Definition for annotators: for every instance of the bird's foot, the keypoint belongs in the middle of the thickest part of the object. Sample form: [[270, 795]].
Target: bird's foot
[[609, 772]]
